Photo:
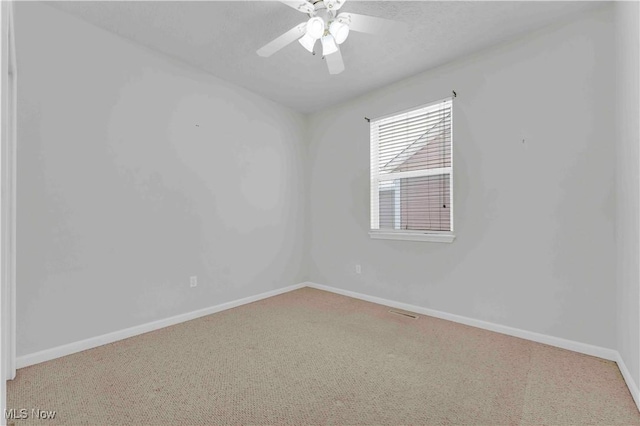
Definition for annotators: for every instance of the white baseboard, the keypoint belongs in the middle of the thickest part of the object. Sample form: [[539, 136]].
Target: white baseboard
[[93, 342], [71, 348], [584, 348], [631, 384]]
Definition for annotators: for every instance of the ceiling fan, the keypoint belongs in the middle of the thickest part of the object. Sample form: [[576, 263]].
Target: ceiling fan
[[328, 26]]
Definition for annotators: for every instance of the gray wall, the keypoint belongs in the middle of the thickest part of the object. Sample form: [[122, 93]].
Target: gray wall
[[136, 172], [627, 15], [534, 220]]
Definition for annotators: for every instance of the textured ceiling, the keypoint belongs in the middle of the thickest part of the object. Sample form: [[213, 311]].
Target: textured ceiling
[[222, 38]]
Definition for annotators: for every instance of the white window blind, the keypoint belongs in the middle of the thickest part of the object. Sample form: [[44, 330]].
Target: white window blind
[[411, 170]]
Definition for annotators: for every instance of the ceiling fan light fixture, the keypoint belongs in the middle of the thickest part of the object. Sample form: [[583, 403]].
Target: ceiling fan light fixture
[[307, 42], [329, 45], [339, 31], [315, 27]]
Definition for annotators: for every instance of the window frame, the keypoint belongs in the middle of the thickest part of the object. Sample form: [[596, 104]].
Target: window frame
[[409, 234]]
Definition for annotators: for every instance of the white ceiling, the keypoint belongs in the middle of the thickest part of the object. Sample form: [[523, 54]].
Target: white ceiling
[[222, 38]]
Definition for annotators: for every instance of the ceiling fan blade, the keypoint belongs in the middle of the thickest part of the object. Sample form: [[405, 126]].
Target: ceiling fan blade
[[289, 37], [335, 63], [369, 24], [302, 5]]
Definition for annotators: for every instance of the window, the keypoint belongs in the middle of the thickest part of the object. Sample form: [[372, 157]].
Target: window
[[411, 174]]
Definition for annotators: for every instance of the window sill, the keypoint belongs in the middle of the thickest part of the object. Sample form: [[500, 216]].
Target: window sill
[[413, 236]]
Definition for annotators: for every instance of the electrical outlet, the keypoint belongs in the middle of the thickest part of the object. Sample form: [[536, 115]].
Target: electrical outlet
[[358, 269], [193, 281]]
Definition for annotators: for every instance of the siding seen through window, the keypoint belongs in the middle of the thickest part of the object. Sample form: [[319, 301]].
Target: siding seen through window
[[411, 170]]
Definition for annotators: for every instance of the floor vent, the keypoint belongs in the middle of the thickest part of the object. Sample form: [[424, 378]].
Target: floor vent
[[404, 314]]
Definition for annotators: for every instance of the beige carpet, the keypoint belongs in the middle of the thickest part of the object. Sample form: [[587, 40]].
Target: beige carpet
[[312, 357]]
